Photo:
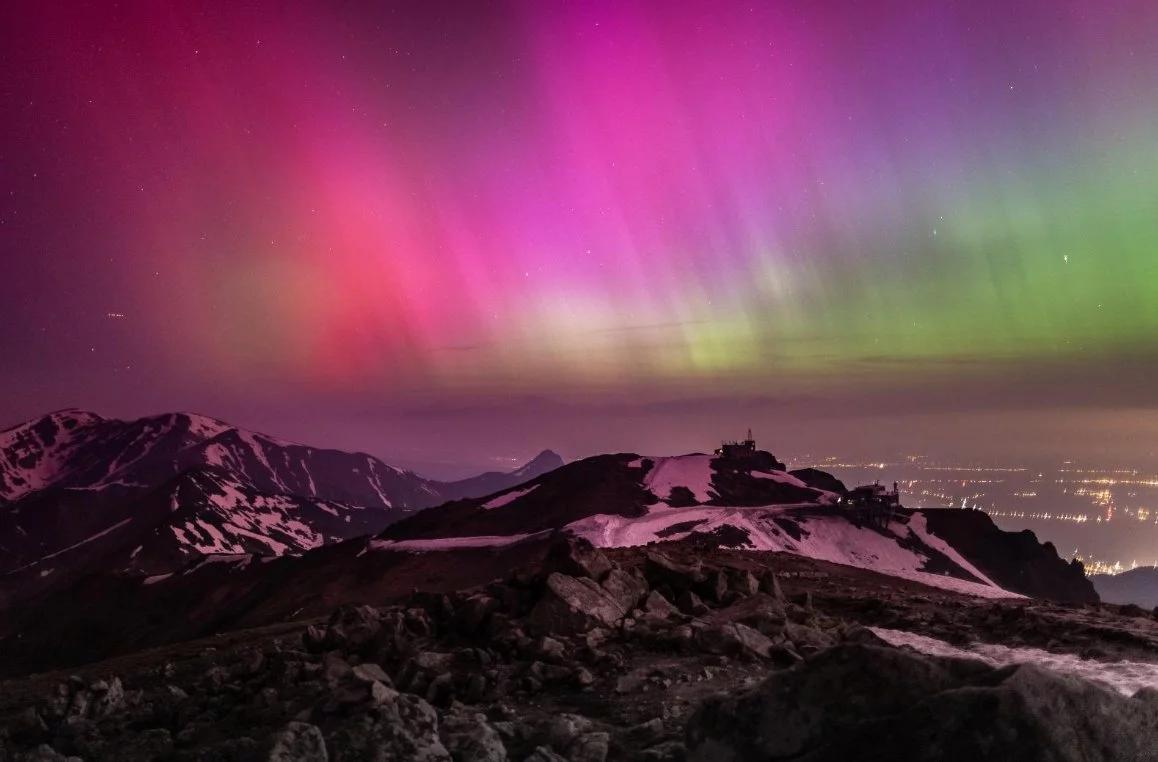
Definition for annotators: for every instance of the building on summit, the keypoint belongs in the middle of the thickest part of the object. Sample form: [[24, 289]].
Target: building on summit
[[738, 450]]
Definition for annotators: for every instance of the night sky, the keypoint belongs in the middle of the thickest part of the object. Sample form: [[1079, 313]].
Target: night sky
[[450, 233]]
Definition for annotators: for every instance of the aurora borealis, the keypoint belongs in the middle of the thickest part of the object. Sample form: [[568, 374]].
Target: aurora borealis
[[351, 204]]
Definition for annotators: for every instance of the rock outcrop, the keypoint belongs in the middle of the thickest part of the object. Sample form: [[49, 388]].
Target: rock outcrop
[[1014, 560], [870, 703]]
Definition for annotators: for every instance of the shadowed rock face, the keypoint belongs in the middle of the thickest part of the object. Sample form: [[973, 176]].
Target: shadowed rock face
[[870, 703], [818, 479], [1014, 560]]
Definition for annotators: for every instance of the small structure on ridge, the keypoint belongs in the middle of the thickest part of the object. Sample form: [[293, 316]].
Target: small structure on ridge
[[738, 450]]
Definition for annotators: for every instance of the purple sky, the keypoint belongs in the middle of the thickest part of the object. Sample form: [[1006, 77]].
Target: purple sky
[[452, 234]]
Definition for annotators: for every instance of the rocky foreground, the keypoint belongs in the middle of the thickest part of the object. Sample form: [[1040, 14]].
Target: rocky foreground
[[670, 652]]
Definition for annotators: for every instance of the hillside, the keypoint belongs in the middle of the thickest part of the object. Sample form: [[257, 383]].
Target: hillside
[[683, 651]]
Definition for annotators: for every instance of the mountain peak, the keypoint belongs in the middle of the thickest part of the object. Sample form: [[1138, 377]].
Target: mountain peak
[[68, 417], [547, 460]]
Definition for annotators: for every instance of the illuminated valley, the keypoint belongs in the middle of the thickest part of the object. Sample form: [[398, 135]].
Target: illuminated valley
[[1082, 508]]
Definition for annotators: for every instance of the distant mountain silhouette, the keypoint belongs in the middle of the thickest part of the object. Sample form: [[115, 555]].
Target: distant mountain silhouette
[[1138, 586]]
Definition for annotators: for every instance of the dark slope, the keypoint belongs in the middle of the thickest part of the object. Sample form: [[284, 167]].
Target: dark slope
[[1014, 560], [601, 484], [818, 479], [106, 614]]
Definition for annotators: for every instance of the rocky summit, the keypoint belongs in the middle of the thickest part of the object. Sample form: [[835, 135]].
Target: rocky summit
[[672, 651]]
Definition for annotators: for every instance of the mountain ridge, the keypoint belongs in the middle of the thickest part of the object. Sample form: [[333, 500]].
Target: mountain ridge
[[223, 520], [78, 489]]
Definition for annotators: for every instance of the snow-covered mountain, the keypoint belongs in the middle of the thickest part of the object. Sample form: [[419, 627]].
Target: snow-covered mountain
[[628, 500], [77, 489]]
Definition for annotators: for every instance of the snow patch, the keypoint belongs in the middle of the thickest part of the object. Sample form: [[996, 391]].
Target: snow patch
[[691, 471], [780, 477], [1125, 677], [456, 543], [827, 536], [203, 427], [75, 545], [508, 497]]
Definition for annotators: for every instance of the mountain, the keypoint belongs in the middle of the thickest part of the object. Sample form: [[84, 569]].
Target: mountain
[[1137, 586], [496, 481], [199, 554], [751, 503], [625, 485], [78, 491]]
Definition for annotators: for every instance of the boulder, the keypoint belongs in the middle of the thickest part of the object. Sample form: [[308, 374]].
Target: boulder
[[352, 628], [692, 604], [733, 638], [335, 669], [470, 738], [589, 747], [404, 728], [299, 742], [577, 557], [565, 728], [770, 584], [108, 696], [572, 605], [715, 587], [627, 590], [656, 607], [743, 582], [875, 704], [550, 649], [662, 570], [369, 672], [314, 638], [807, 639], [473, 612]]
